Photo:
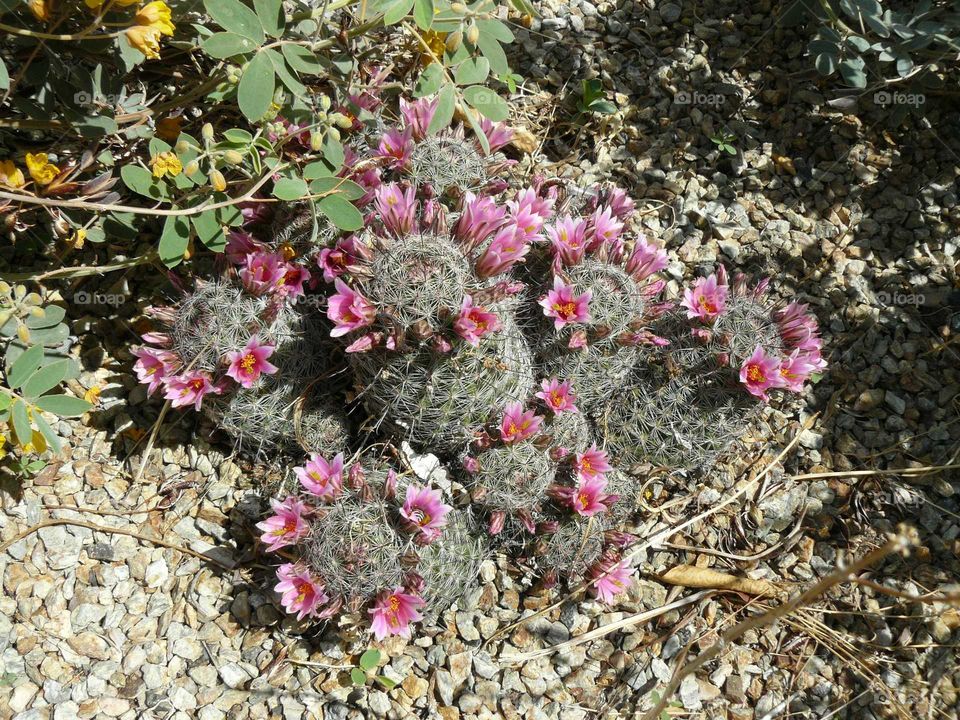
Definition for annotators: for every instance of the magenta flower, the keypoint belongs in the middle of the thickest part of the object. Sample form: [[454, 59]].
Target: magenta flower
[[798, 328], [481, 217], [393, 612], [587, 498], [320, 478], [760, 372], [621, 203], [498, 134], [240, 244], [425, 512], [418, 115], [518, 424], [348, 310], [262, 271], [505, 250], [706, 300], [529, 212], [604, 229], [646, 259], [153, 366], [300, 592], [797, 369], [397, 208], [592, 464], [291, 281], [568, 238], [189, 388], [474, 322], [617, 581], [557, 396], [563, 306], [397, 145], [247, 365], [286, 526]]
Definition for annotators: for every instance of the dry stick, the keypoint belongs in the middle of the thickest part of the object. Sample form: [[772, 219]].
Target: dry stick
[[898, 543], [115, 531], [658, 539], [870, 473], [609, 628], [81, 271]]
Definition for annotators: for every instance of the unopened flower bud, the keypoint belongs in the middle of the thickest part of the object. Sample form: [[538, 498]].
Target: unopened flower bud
[[497, 520], [453, 41], [390, 486], [217, 181], [232, 157], [23, 332], [458, 8], [341, 121], [414, 583], [547, 527], [316, 141], [473, 34], [206, 132], [325, 103], [550, 579], [526, 518], [192, 168], [356, 478], [333, 133]]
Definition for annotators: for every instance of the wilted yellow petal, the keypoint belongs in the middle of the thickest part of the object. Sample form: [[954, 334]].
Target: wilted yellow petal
[[10, 175], [92, 395], [41, 169]]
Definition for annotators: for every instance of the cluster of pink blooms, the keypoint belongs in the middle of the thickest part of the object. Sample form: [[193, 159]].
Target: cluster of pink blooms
[[303, 593], [159, 368], [765, 369]]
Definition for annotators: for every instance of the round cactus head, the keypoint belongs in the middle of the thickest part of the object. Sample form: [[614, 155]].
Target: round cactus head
[[450, 568], [573, 548], [446, 162]]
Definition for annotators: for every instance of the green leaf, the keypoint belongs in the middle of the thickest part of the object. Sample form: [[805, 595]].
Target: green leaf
[[349, 189], [174, 240], [472, 71], [445, 108], [48, 434], [4, 76], [495, 29], [286, 77], [255, 91], [25, 366], [5, 401], [358, 676], [487, 102], [852, 72], [333, 152], [341, 212], [316, 170], [52, 315], [238, 136], [423, 13], [46, 378], [493, 51], [209, 230], [271, 16], [142, 182], [370, 659], [387, 683], [860, 44], [63, 405], [223, 45], [429, 81], [604, 107], [303, 60], [478, 132], [826, 63], [233, 16], [21, 422], [396, 11], [289, 188]]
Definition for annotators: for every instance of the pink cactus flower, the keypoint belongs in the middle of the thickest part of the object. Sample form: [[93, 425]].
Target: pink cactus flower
[[291, 281], [568, 238], [518, 424], [189, 388], [397, 146], [505, 250], [418, 114], [565, 307], [153, 366], [286, 526], [706, 299], [348, 310], [474, 322], [557, 396], [393, 612], [798, 328], [529, 212], [578, 340], [248, 364], [498, 134], [796, 370], [612, 579], [618, 201], [425, 512], [603, 230], [761, 372], [471, 464], [262, 271], [365, 343], [592, 464], [587, 498], [300, 593], [646, 259], [239, 245], [397, 208], [481, 217], [320, 478]]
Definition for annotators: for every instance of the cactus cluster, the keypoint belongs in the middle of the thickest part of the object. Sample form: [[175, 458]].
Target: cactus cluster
[[519, 334]]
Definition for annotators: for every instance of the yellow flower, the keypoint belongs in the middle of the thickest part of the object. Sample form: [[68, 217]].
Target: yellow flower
[[437, 42], [157, 16], [39, 9], [77, 239], [10, 175], [41, 170], [166, 163], [153, 20]]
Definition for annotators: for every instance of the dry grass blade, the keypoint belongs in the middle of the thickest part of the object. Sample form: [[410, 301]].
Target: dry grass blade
[[697, 577]]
